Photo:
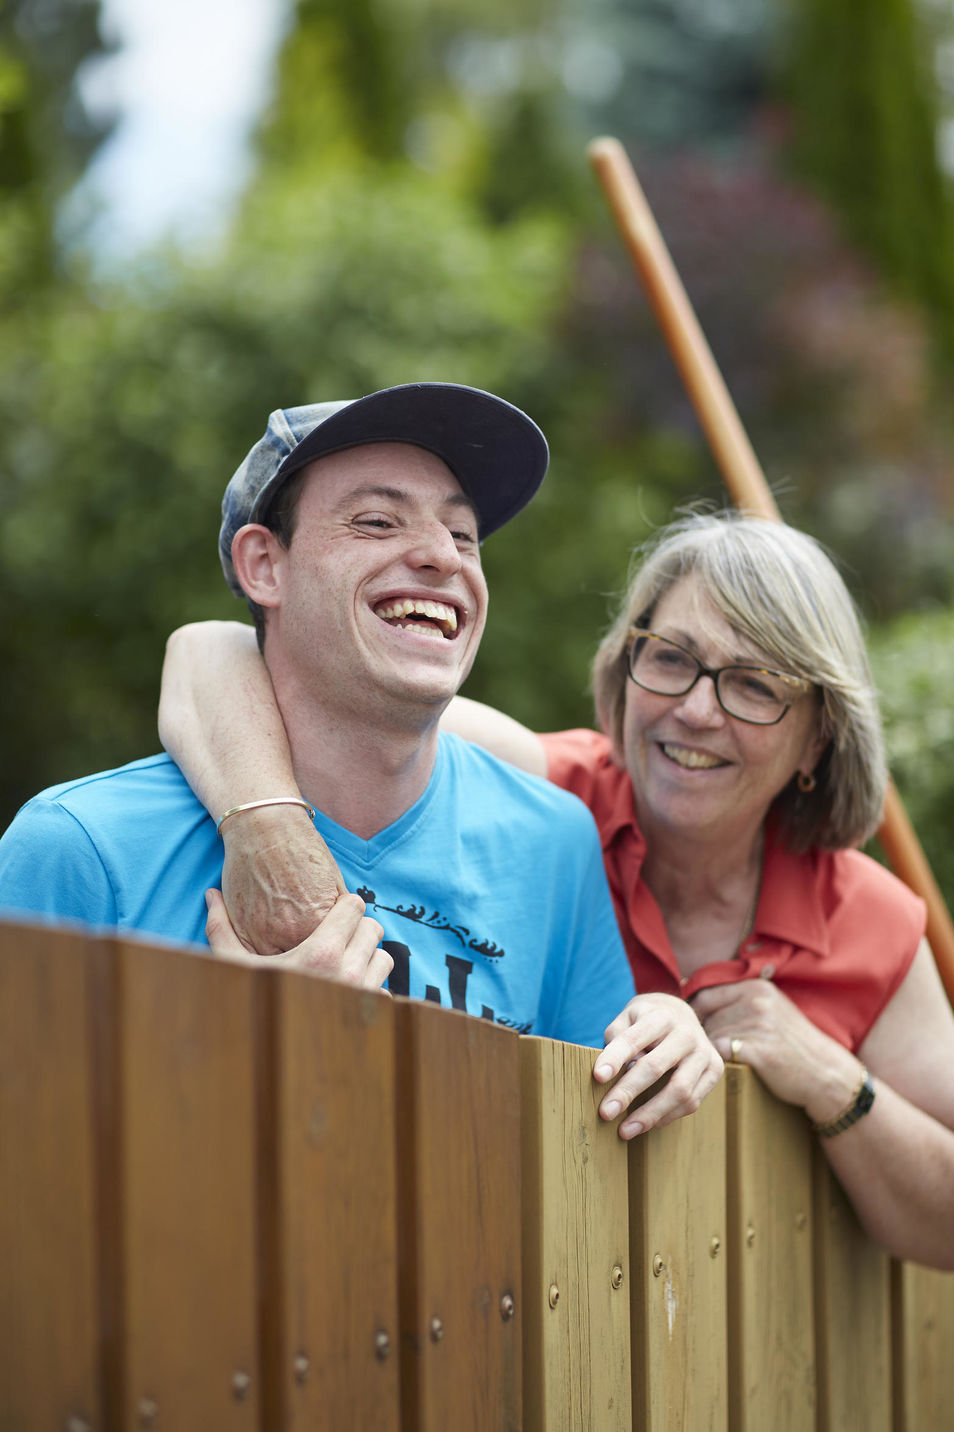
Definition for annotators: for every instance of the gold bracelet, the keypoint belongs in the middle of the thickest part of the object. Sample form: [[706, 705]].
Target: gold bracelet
[[270, 800], [859, 1104]]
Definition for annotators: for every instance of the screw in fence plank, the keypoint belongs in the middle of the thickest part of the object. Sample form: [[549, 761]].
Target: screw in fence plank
[[772, 1373], [576, 1247], [49, 1313], [678, 1283], [458, 1120], [187, 1177]]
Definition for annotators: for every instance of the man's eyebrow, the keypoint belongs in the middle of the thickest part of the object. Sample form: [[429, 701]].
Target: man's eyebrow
[[400, 494]]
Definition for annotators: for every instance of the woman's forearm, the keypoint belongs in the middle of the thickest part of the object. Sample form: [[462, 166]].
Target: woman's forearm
[[219, 721], [897, 1167], [897, 1163], [218, 718], [498, 733]]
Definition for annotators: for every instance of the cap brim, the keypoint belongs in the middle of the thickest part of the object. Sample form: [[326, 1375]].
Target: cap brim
[[498, 455]]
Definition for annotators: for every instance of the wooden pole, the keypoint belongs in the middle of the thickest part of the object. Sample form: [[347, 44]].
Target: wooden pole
[[741, 471]]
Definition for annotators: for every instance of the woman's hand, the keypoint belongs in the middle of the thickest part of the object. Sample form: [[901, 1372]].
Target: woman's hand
[[897, 1163], [655, 1035], [279, 880], [345, 947], [798, 1062]]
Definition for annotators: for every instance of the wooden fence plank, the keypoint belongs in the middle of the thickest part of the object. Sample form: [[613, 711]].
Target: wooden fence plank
[[329, 1196], [187, 1181], [923, 1301], [458, 1138], [49, 1318], [679, 1259], [575, 1248], [852, 1314], [771, 1318]]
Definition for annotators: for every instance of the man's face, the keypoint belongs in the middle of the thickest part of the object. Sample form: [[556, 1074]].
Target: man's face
[[382, 596]]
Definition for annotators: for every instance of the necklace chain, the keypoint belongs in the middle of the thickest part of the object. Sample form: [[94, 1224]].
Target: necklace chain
[[748, 924]]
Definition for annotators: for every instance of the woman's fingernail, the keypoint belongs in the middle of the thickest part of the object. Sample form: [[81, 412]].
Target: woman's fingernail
[[610, 1110], [603, 1071]]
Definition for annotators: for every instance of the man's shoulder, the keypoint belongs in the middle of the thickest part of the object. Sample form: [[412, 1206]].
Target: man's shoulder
[[129, 848], [146, 785]]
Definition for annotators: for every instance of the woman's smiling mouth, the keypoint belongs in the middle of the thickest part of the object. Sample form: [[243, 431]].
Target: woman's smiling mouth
[[691, 760]]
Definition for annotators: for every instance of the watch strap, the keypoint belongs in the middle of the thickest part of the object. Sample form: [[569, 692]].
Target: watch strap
[[859, 1105]]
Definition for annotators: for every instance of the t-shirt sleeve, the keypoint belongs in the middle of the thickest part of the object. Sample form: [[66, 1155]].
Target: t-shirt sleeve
[[596, 979], [49, 866]]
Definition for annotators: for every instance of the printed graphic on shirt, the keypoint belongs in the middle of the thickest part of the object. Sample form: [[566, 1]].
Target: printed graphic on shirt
[[418, 966]]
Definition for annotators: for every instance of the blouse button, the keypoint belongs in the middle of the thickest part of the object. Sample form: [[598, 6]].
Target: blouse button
[[766, 972]]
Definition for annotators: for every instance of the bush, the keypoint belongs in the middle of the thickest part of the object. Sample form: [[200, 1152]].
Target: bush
[[912, 664]]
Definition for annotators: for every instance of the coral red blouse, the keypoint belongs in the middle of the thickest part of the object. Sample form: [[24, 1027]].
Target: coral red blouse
[[835, 931]]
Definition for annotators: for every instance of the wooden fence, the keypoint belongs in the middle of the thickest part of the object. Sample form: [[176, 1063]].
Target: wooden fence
[[243, 1198]]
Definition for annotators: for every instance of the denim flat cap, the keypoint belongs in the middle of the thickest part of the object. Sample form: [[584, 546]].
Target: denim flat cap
[[498, 455]]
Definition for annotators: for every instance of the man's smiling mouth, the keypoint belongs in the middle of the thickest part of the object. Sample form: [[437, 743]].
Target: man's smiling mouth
[[427, 617], [691, 760]]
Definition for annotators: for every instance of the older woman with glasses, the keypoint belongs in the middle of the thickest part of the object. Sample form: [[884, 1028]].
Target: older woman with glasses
[[738, 764]]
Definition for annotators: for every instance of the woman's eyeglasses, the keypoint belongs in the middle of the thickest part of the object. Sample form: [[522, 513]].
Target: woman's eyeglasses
[[749, 693]]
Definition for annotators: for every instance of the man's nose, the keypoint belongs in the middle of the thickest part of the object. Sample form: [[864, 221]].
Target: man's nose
[[434, 546]]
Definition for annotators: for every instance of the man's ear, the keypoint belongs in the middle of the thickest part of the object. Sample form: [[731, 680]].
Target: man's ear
[[257, 558]]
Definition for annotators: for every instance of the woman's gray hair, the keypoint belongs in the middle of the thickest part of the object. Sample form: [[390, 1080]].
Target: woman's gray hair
[[776, 587]]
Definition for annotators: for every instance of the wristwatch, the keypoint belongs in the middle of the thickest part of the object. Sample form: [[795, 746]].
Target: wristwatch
[[859, 1105]]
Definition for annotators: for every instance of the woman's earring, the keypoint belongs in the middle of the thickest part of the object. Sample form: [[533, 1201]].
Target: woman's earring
[[806, 782]]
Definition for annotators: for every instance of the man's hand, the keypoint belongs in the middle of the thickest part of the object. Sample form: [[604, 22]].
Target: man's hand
[[279, 880], [345, 946], [656, 1034]]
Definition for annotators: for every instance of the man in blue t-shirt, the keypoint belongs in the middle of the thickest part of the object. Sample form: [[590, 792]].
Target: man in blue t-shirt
[[353, 530]]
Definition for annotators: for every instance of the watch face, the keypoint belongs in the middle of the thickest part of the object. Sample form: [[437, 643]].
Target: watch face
[[865, 1099]]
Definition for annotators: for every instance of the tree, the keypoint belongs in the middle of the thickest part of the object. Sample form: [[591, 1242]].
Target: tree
[[911, 660], [412, 217], [861, 83], [46, 134]]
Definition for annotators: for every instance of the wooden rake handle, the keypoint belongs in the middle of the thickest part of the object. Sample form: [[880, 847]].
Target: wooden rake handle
[[742, 472]]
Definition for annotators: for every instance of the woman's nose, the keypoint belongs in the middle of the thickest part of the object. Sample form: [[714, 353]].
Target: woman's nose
[[700, 705]]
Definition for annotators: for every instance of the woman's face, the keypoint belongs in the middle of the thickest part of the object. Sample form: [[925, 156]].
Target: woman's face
[[695, 769]]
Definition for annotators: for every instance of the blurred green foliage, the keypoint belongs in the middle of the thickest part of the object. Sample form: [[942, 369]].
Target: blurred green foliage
[[867, 138], [911, 659], [46, 134], [420, 208], [130, 418]]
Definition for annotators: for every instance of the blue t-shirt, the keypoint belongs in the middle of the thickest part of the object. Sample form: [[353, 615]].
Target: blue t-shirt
[[490, 888]]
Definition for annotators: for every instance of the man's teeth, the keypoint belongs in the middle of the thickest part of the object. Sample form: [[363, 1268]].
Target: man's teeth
[[434, 611], [694, 760]]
